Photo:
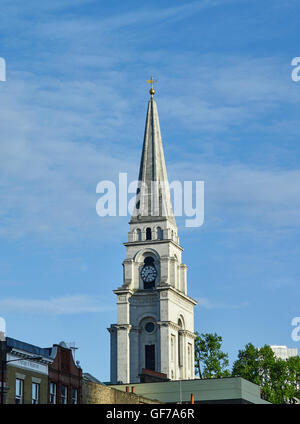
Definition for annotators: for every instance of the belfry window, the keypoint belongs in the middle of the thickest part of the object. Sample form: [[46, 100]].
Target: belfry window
[[148, 234], [139, 234], [149, 260], [159, 233]]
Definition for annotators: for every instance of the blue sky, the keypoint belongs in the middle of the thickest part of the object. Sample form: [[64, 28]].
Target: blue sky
[[72, 113]]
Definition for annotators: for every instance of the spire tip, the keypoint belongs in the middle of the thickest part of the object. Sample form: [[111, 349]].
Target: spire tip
[[151, 81]]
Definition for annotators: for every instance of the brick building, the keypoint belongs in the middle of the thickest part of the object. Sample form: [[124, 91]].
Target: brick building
[[65, 377], [40, 375]]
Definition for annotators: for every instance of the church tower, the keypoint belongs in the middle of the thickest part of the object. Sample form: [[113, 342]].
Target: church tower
[[155, 328]]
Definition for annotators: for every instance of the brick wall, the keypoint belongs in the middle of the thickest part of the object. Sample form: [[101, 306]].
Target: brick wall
[[97, 393]]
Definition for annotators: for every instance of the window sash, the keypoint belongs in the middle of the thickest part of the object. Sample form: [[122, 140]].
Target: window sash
[[52, 393], [64, 394], [35, 393], [19, 390], [74, 396]]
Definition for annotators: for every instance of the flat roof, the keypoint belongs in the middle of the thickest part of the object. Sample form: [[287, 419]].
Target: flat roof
[[230, 389], [27, 347]]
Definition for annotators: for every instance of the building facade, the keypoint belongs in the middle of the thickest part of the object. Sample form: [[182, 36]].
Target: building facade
[[155, 327], [65, 377], [284, 352], [27, 373], [36, 375]]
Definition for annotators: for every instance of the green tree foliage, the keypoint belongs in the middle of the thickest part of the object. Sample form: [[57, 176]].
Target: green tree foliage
[[279, 379], [210, 361]]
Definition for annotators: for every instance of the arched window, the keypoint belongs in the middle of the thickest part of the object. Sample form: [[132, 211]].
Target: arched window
[[139, 234], [149, 260], [159, 233], [148, 234], [150, 357], [180, 344]]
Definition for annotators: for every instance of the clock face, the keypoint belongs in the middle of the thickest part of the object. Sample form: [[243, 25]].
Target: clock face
[[148, 273]]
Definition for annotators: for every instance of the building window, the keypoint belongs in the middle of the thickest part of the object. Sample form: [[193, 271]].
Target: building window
[[148, 234], [150, 357], [190, 358], [159, 233], [74, 396], [52, 398], [180, 342], [150, 327], [139, 235], [64, 394], [172, 347], [19, 390], [35, 393]]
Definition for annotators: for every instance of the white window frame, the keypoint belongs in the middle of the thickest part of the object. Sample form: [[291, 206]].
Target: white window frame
[[52, 391], [74, 398], [20, 392], [35, 393], [64, 398]]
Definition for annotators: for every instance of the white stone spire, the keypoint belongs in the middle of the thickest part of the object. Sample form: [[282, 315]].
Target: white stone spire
[[153, 195]]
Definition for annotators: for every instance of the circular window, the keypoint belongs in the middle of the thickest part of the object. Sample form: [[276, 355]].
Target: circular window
[[149, 327]]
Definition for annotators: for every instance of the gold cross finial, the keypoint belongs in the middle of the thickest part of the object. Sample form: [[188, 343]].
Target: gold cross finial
[[151, 81]]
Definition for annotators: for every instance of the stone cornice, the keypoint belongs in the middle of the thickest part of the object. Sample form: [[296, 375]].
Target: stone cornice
[[188, 333], [146, 242], [176, 327], [123, 327], [167, 324], [178, 292], [123, 290]]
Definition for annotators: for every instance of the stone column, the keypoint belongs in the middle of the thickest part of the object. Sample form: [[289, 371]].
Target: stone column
[[135, 365], [165, 358], [128, 272], [123, 355], [164, 269], [113, 353]]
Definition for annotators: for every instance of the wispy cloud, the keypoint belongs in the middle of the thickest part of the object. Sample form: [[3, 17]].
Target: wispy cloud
[[73, 118], [242, 195], [55, 306], [206, 303]]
